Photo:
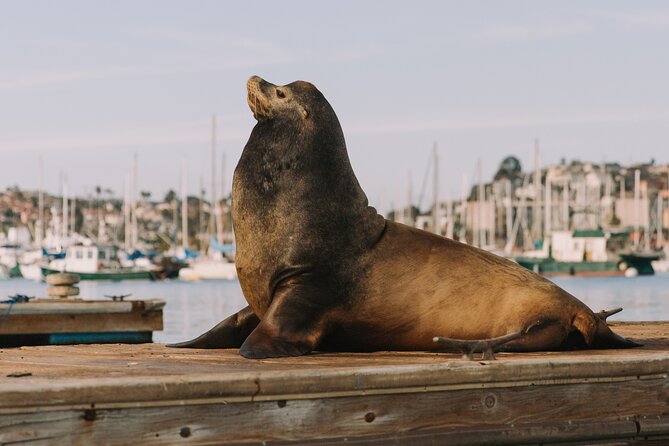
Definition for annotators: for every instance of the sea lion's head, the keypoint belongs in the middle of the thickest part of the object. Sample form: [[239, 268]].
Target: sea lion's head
[[296, 101]]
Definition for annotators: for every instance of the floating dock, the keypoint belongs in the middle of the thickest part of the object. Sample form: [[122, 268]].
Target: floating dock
[[77, 321], [151, 394]]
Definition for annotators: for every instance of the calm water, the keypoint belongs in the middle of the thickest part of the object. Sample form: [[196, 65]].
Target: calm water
[[194, 307]]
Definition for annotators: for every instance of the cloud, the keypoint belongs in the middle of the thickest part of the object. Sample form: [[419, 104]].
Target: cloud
[[167, 134], [175, 52], [37, 78], [633, 19], [197, 133], [494, 122], [512, 33], [181, 53]]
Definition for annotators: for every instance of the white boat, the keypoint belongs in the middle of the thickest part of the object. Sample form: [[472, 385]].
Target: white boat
[[12, 248], [30, 265], [209, 269], [662, 266], [93, 262]]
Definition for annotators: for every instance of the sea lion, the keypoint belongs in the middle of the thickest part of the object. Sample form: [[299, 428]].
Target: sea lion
[[321, 270]]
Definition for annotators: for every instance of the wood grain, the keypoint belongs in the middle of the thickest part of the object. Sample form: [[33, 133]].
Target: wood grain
[[531, 413], [150, 394], [77, 316]]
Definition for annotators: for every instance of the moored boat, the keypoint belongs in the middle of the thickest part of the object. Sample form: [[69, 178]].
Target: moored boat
[[585, 253], [95, 263]]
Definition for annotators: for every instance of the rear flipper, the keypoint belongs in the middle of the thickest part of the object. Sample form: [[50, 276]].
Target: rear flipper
[[584, 332], [542, 335], [548, 335], [606, 338], [604, 314], [596, 333], [229, 333], [470, 346]]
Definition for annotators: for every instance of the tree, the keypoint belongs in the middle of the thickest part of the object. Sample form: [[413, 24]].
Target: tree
[[170, 196]]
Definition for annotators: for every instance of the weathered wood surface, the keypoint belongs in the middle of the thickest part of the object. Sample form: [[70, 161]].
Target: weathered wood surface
[[121, 394], [79, 316]]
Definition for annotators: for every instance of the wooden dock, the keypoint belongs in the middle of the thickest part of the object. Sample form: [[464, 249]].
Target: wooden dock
[[150, 394], [75, 321]]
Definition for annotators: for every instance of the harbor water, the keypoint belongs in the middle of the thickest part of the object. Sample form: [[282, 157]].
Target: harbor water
[[194, 307]]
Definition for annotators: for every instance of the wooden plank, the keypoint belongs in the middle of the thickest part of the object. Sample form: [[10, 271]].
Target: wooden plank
[[78, 306], [65, 307], [616, 433], [225, 376], [529, 414], [654, 425], [82, 322]]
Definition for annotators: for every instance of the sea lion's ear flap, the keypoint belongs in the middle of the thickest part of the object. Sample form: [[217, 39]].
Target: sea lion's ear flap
[[305, 112]]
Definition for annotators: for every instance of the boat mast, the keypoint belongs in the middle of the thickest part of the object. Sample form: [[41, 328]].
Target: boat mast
[[536, 215], [479, 204], [462, 236], [646, 231], [200, 220], [435, 192], [606, 216], [637, 211], [221, 210], [407, 215], [184, 205], [214, 204], [659, 241], [133, 204], [565, 203], [126, 212], [66, 214], [39, 230], [73, 212], [450, 219], [509, 209], [548, 189]]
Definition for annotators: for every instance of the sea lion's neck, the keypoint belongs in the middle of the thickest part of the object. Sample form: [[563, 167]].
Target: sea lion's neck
[[289, 160], [306, 176]]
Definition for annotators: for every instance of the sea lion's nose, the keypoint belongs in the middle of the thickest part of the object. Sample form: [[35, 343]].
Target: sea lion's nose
[[255, 81]]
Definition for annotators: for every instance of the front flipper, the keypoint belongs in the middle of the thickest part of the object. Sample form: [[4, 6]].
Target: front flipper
[[229, 333], [293, 324]]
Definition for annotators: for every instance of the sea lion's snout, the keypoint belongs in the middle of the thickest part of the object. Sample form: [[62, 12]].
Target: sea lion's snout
[[257, 98]]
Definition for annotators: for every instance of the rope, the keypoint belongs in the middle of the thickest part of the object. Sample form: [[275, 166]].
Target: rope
[[17, 298]]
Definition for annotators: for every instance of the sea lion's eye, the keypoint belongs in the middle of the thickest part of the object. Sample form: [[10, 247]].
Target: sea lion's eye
[[280, 93]]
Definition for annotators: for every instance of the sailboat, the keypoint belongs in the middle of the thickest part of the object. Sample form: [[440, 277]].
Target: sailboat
[[216, 264]]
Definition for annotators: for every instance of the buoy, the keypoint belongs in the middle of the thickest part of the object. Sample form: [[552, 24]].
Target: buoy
[[631, 272]]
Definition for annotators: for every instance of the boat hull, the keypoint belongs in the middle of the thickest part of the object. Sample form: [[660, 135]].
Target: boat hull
[[552, 268], [106, 275]]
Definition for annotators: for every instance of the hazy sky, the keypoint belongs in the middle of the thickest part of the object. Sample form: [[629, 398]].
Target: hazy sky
[[87, 84]]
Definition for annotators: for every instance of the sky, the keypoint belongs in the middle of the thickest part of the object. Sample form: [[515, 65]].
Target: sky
[[88, 85]]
